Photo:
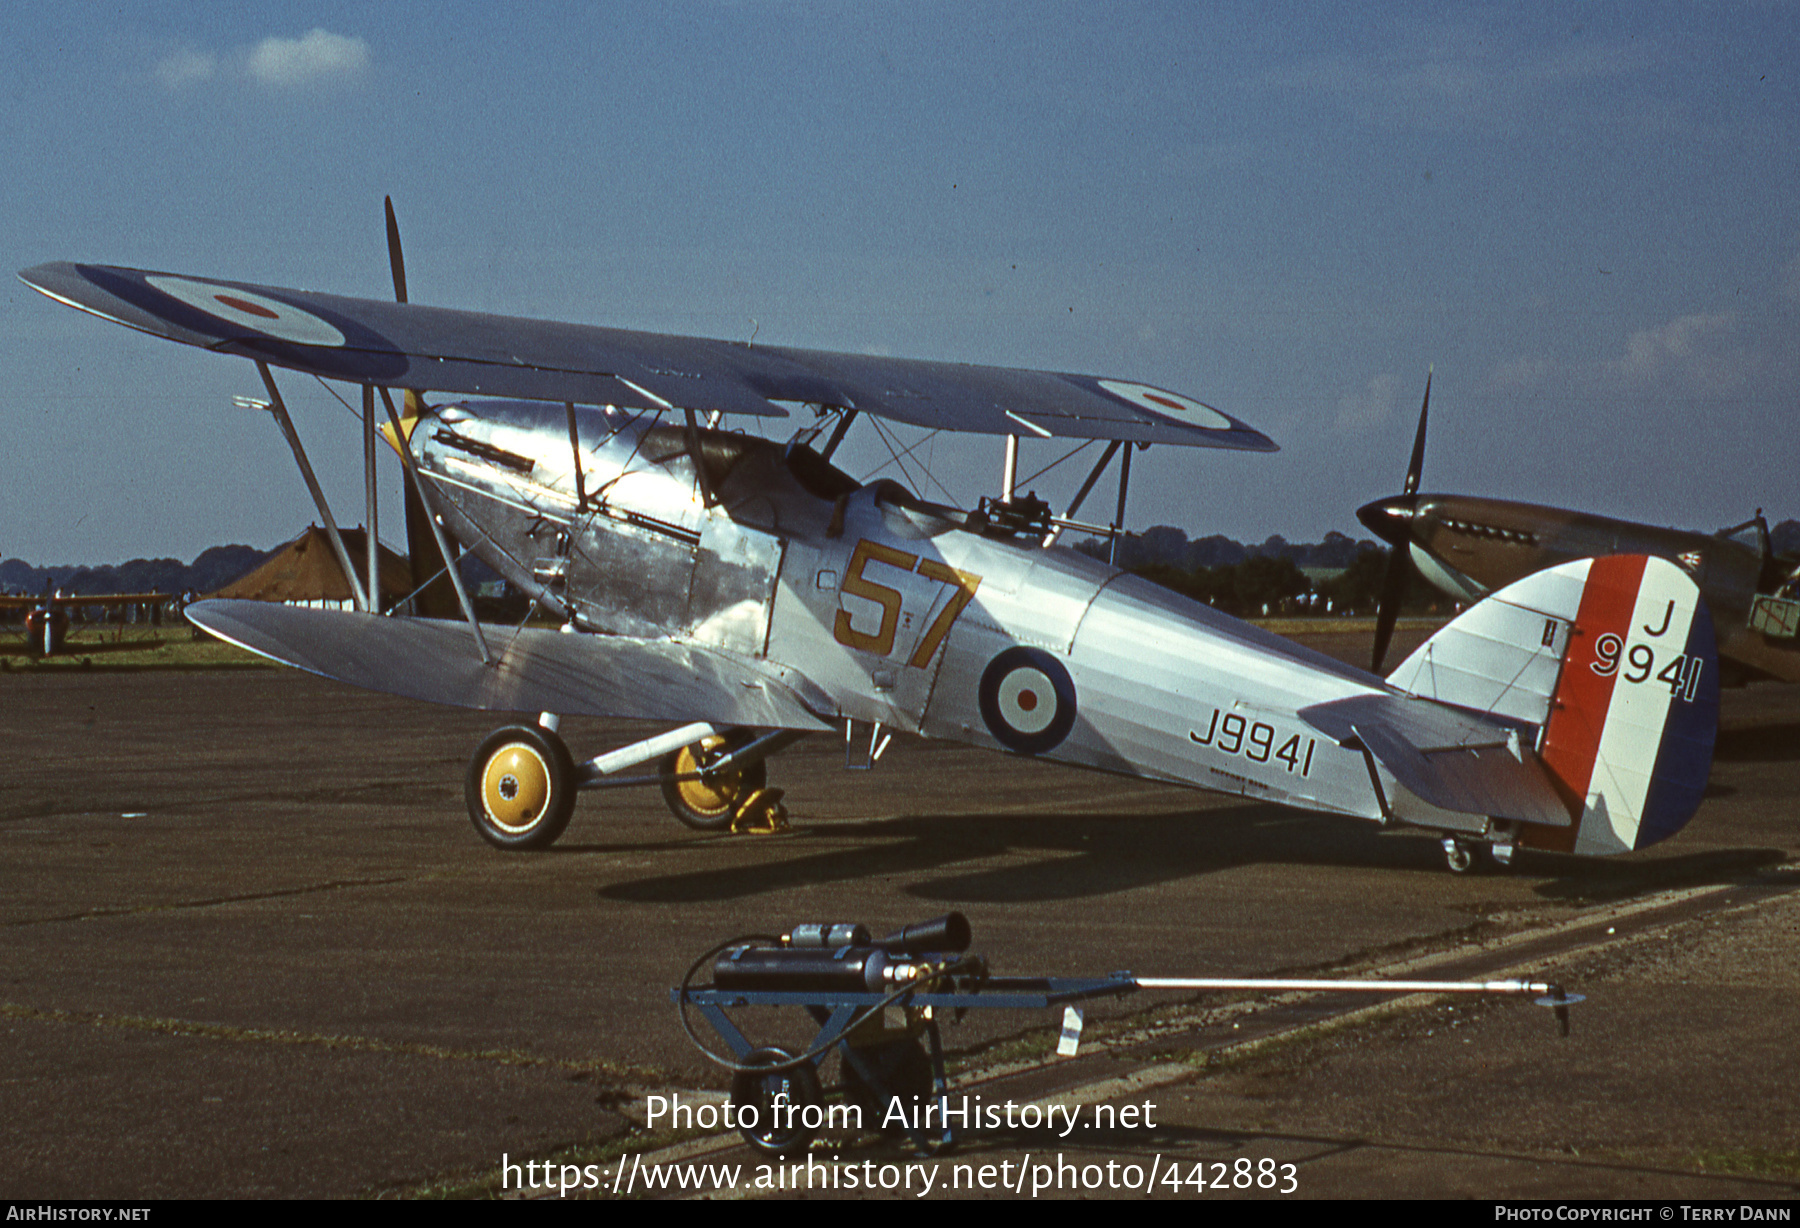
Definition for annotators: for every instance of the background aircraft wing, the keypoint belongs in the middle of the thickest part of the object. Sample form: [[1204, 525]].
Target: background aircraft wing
[[433, 349], [534, 670]]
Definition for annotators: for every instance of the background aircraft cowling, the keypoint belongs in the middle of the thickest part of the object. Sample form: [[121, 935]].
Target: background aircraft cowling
[[1468, 546]]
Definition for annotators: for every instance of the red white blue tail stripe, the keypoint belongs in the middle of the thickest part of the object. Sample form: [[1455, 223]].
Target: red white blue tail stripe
[[1636, 709]]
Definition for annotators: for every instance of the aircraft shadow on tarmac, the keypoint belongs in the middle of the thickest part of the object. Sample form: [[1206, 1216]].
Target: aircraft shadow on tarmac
[[1089, 856], [1759, 744]]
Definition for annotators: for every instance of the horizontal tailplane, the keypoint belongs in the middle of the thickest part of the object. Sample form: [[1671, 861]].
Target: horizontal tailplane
[[1611, 665]]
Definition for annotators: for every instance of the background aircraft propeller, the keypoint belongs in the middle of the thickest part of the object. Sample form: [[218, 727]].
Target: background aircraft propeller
[[1389, 519]]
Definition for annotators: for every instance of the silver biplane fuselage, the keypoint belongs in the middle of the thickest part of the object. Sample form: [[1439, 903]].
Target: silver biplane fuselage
[[881, 608], [758, 594]]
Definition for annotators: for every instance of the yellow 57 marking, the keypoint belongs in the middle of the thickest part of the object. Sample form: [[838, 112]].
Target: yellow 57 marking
[[881, 640]]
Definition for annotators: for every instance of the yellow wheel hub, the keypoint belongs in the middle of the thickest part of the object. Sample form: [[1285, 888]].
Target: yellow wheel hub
[[515, 787], [708, 798]]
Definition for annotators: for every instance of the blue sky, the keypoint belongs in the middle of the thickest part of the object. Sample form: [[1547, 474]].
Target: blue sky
[[1585, 216]]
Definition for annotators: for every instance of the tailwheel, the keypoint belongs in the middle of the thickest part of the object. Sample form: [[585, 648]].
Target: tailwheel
[[1459, 855], [520, 787], [711, 803], [779, 1110]]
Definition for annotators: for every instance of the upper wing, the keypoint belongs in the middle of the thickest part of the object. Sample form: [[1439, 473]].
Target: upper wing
[[534, 670], [431, 349]]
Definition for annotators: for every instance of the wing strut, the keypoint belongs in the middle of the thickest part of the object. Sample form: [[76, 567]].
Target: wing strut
[[279, 409], [693, 440], [575, 452], [369, 499], [837, 436], [1112, 553], [700, 476], [1082, 494], [437, 531]]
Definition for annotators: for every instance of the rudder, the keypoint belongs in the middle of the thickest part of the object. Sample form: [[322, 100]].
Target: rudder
[[1613, 661]]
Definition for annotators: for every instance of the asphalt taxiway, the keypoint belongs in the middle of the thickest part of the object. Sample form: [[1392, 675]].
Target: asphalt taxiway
[[254, 948]]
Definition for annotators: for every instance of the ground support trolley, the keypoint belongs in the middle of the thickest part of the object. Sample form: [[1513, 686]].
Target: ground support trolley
[[893, 1072], [878, 1003]]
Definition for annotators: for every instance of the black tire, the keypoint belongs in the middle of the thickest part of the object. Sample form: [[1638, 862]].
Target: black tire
[[782, 1123], [709, 805], [520, 788]]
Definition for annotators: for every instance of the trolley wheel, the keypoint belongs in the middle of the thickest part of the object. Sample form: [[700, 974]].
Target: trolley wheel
[[520, 787], [788, 1103], [903, 1069], [709, 805]]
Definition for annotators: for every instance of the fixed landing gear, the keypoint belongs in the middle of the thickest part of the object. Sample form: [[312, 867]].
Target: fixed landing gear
[[522, 781], [520, 787], [1470, 856], [1459, 855], [712, 803]]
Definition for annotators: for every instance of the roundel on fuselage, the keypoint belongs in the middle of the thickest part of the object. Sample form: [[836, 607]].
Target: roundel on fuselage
[[1027, 700]]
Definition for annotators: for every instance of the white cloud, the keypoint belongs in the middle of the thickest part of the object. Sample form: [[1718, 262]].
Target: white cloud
[[184, 67], [275, 63], [1689, 344], [320, 55], [1465, 75], [1699, 355]]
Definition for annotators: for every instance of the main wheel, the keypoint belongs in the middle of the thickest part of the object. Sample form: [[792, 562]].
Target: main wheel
[[709, 804], [520, 787], [787, 1104]]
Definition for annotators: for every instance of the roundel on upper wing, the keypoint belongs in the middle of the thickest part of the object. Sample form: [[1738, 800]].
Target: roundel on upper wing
[[265, 315], [1168, 404], [1028, 700]]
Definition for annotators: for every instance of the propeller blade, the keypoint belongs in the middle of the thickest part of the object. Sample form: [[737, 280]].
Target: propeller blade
[[1418, 453], [1393, 591], [397, 261], [1400, 565], [437, 599]]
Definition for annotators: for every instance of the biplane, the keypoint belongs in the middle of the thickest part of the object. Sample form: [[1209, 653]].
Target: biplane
[[1468, 546], [47, 616], [747, 593]]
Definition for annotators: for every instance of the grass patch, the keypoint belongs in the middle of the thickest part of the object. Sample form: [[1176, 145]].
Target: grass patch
[[1750, 1163], [137, 648]]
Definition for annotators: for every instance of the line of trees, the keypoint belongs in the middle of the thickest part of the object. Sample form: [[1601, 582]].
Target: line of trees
[[1261, 586]]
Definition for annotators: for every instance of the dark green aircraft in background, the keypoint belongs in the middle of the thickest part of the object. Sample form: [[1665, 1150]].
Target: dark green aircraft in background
[[1469, 546]]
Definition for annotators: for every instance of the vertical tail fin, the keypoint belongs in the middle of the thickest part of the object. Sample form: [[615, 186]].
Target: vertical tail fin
[[1613, 662]]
